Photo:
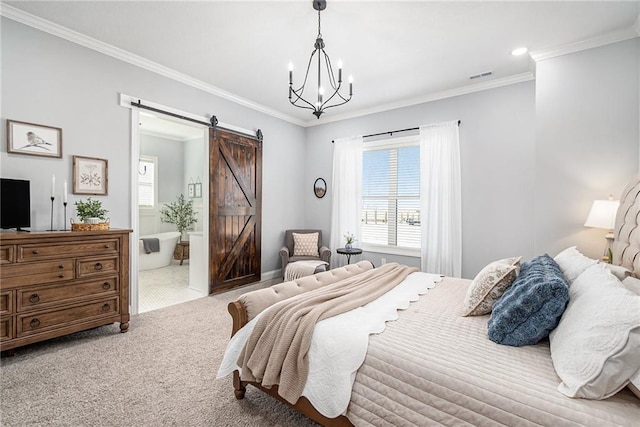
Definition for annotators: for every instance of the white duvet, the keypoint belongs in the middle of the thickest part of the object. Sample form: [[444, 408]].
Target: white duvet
[[339, 344]]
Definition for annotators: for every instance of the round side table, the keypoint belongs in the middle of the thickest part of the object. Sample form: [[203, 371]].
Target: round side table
[[349, 252]]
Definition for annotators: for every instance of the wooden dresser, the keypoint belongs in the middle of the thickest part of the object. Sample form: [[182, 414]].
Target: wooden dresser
[[56, 283]]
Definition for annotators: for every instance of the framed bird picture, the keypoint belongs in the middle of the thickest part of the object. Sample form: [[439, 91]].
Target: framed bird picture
[[90, 176], [34, 140]]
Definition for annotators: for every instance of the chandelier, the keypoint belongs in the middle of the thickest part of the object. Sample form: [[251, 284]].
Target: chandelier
[[328, 96]]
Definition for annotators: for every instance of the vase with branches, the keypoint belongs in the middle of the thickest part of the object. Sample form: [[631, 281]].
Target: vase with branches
[[180, 213]]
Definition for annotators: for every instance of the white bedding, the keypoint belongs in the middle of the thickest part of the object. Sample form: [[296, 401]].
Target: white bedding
[[332, 369]]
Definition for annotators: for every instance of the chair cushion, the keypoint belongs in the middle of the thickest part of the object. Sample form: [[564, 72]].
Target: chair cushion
[[531, 307], [305, 244]]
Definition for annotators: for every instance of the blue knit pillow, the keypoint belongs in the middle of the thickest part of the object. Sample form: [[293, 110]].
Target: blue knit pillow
[[532, 306]]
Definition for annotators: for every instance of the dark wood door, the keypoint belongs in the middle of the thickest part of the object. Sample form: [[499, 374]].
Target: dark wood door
[[235, 206]]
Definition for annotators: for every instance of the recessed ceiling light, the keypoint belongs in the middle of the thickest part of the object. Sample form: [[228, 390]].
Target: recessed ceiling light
[[519, 51]]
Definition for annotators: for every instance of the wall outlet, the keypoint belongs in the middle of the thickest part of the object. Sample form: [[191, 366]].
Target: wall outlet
[[383, 261]]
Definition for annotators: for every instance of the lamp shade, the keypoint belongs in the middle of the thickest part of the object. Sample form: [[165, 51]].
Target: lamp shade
[[603, 214]]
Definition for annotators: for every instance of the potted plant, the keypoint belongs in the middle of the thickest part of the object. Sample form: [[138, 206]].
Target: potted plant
[[91, 211], [180, 213], [350, 240]]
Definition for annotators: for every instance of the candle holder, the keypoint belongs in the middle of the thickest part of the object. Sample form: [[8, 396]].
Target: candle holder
[[52, 199], [65, 215]]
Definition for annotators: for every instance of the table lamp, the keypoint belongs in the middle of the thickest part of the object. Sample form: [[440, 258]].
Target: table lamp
[[603, 215]]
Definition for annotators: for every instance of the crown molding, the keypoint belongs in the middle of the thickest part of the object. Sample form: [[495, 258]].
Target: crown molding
[[123, 55], [464, 90], [602, 40]]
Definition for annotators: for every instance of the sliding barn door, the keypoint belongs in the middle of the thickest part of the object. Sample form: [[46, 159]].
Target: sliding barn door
[[235, 201]]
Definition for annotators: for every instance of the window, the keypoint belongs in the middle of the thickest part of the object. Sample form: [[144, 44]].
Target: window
[[391, 195], [147, 179]]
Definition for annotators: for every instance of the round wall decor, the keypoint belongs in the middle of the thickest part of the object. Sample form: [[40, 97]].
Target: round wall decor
[[320, 188]]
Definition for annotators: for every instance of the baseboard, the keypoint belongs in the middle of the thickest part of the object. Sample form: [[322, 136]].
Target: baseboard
[[273, 274]]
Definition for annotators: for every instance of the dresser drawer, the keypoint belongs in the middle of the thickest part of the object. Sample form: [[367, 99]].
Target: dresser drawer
[[28, 324], [6, 302], [7, 254], [68, 249], [36, 273], [6, 328], [87, 267], [43, 296]]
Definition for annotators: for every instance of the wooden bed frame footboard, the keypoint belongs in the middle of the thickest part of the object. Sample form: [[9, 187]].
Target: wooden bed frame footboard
[[239, 315]]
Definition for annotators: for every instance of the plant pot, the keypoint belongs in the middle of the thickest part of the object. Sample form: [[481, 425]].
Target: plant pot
[[92, 221], [348, 246]]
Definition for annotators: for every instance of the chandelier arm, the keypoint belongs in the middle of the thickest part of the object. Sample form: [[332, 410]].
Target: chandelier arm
[[327, 63], [300, 98]]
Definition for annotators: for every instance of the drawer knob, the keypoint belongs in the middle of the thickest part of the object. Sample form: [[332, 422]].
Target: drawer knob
[[34, 322], [61, 266], [106, 307], [98, 266], [106, 246], [34, 298], [106, 285], [61, 276], [35, 252]]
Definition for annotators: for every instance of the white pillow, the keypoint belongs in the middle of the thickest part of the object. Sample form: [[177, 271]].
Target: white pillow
[[573, 263], [634, 384], [619, 271], [595, 347], [633, 285]]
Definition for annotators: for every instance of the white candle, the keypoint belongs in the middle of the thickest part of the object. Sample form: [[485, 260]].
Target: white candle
[[65, 191], [53, 185]]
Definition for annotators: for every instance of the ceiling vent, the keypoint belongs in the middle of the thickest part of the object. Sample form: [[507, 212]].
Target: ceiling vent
[[477, 76]]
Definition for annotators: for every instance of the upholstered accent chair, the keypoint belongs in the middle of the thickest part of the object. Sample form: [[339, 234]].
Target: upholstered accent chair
[[288, 251]]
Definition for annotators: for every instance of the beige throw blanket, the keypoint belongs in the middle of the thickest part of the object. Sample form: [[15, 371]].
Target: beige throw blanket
[[276, 353]]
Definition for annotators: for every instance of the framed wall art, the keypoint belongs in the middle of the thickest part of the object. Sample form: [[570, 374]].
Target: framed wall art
[[34, 140], [191, 190], [90, 176], [198, 190]]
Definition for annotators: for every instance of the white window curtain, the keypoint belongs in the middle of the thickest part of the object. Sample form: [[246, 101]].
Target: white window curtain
[[441, 200], [346, 194]]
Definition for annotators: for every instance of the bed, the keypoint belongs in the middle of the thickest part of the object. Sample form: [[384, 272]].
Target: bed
[[432, 366]]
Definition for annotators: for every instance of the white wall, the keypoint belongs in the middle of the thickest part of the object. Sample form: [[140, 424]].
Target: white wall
[[587, 141], [534, 155], [497, 156], [50, 81]]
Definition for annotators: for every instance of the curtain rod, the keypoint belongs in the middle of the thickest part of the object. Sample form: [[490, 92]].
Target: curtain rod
[[391, 132]]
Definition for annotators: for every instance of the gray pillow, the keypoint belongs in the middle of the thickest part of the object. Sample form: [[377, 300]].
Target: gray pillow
[[532, 306]]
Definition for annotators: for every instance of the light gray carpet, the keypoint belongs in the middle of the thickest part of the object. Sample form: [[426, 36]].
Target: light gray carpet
[[160, 373]]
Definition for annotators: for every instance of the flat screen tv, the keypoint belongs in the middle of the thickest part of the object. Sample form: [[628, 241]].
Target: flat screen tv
[[15, 204]]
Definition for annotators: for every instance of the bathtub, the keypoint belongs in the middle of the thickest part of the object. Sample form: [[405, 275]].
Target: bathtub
[[160, 259]]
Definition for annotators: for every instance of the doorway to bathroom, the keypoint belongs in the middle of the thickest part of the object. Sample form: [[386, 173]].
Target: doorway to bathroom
[[172, 173]]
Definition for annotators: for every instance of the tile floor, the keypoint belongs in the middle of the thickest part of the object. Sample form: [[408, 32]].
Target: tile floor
[[162, 287]]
